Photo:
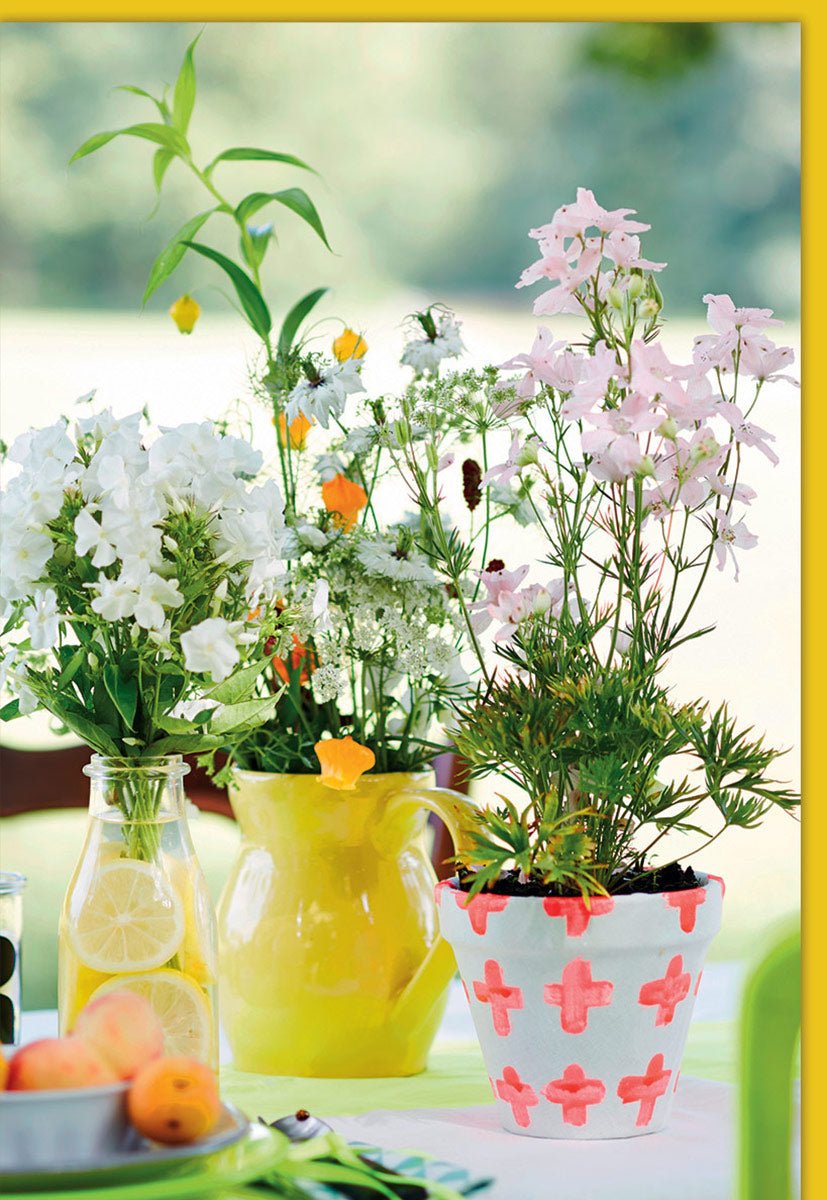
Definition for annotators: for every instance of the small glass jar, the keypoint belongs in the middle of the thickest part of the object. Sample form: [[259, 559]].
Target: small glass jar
[[11, 936], [137, 914]]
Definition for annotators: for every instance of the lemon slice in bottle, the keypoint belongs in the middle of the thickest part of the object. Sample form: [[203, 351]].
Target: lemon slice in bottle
[[180, 1005], [131, 919]]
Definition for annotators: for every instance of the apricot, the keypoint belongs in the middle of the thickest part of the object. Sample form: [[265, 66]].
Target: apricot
[[4, 1072], [58, 1063], [174, 1100], [124, 1030]]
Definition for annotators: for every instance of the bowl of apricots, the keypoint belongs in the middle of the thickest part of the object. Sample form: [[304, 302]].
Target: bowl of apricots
[[107, 1095]]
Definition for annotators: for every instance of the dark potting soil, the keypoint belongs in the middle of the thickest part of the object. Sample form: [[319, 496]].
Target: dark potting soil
[[672, 878]]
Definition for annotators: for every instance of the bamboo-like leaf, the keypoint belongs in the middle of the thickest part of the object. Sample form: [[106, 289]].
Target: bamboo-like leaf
[[294, 318], [162, 135], [252, 301], [161, 105], [296, 199], [183, 99], [251, 154], [160, 163], [173, 252]]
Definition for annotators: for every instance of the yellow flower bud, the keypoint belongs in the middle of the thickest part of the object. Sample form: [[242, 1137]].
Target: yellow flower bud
[[349, 345], [185, 312]]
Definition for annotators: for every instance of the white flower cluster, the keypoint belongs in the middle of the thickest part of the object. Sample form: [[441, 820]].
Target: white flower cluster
[[381, 609], [426, 353], [111, 499]]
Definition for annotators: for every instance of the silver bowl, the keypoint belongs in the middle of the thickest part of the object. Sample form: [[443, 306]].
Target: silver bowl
[[40, 1129]]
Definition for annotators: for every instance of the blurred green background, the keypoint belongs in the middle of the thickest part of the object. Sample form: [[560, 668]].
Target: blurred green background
[[440, 145]]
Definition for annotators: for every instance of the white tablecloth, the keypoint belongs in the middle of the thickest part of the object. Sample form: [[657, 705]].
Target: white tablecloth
[[695, 1156]]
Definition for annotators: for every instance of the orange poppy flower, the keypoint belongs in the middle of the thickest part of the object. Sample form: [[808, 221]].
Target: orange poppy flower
[[185, 312], [299, 430], [298, 655], [343, 762], [349, 345], [345, 499]]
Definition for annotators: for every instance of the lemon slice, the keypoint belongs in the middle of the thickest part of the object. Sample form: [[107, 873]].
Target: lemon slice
[[180, 1005], [131, 920]]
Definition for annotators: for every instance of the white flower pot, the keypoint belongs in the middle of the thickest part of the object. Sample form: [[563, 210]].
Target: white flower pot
[[582, 1012]]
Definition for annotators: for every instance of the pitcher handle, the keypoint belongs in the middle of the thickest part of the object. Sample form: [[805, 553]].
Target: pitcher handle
[[458, 812]]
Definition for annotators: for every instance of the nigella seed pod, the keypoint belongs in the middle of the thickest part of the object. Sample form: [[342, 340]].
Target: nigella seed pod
[[471, 480]]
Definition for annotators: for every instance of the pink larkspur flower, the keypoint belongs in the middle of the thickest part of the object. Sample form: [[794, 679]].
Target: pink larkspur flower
[[506, 471], [746, 433], [762, 359], [724, 317], [728, 536], [538, 363], [624, 251]]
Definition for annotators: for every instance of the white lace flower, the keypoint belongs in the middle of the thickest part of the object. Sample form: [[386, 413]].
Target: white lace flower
[[318, 399], [209, 648], [44, 621], [154, 596]]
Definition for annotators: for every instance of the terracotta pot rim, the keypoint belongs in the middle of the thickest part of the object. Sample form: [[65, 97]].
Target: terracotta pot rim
[[705, 881]]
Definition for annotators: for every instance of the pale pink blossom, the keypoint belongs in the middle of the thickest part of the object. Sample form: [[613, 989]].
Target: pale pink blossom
[[724, 317], [763, 359], [537, 363], [728, 536], [572, 220], [506, 471], [614, 457], [746, 433], [741, 491], [596, 371], [624, 251], [633, 415]]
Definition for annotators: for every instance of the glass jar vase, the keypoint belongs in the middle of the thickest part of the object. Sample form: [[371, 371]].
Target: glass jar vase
[[137, 914]]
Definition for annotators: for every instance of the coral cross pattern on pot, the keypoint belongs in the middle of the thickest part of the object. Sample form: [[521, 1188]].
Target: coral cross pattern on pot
[[687, 903], [574, 1093], [521, 1096], [479, 909], [496, 992], [645, 1089], [668, 992], [576, 911], [577, 993]]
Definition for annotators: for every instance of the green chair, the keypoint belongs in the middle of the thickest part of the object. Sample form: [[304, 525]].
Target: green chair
[[770, 1025]]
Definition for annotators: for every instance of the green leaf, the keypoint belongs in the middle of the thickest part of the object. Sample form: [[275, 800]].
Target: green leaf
[[295, 317], [249, 154], [161, 105], [183, 99], [122, 691], [238, 685], [180, 743], [9, 711], [174, 251], [252, 301], [247, 713], [175, 725], [162, 135], [160, 162], [296, 199]]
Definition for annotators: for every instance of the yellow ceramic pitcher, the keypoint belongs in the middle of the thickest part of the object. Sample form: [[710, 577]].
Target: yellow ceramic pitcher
[[331, 963]]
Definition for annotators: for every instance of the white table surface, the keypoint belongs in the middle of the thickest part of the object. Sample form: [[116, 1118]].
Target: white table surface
[[698, 1147]]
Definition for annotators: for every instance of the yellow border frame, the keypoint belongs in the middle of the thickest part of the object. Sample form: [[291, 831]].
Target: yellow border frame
[[813, 18]]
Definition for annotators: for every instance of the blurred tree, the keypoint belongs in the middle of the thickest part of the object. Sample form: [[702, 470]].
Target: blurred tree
[[652, 51], [440, 145]]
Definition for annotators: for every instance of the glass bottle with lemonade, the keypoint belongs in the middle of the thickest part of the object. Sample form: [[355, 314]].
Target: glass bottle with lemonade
[[137, 914]]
